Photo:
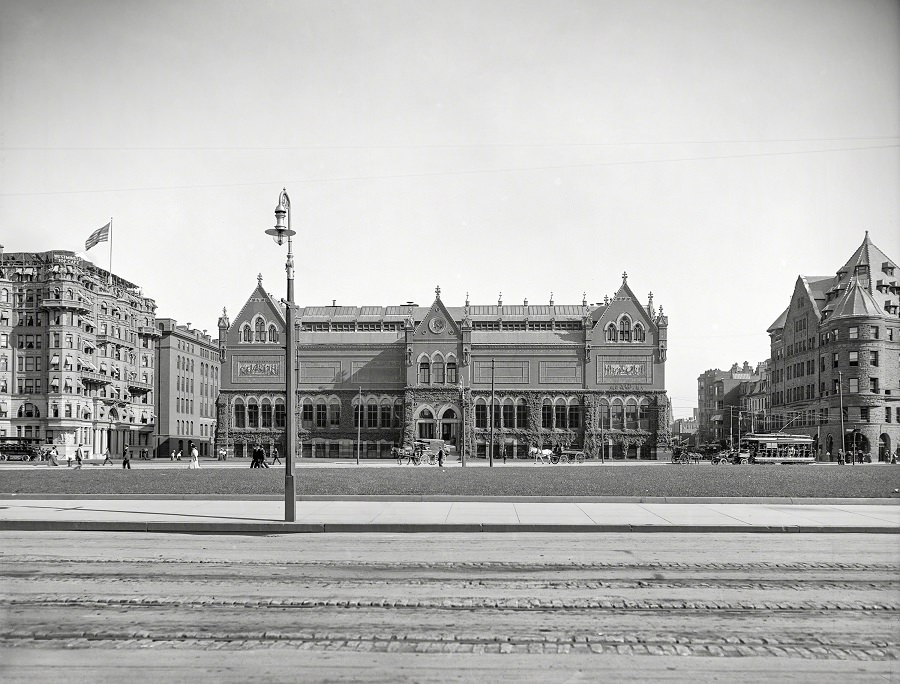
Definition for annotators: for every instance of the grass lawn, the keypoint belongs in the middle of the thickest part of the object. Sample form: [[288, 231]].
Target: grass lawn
[[666, 480]]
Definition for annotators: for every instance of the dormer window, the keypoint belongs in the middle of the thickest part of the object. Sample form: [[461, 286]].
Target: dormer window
[[611, 333], [625, 329]]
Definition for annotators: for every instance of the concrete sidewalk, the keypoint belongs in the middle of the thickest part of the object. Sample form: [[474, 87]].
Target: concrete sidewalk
[[242, 516]]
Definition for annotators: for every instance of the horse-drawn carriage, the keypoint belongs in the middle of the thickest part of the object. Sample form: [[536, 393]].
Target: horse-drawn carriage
[[556, 456], [421, 452]]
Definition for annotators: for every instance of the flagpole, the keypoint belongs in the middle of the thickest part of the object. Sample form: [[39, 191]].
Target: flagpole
[[110, 249]]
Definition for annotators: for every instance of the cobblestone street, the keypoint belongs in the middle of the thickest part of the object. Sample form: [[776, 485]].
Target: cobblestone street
[[448, 606]]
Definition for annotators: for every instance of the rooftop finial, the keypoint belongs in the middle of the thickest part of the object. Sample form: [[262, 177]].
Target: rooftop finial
[[624, 277], [437, 292], [584, 299], [551, 299], [500, 299], [259, 279], [467, 299]]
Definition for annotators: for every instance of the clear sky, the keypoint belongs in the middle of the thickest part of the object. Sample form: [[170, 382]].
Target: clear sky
[[714, 150]]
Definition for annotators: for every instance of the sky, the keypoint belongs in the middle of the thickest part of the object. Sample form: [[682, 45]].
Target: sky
[[713, 150]]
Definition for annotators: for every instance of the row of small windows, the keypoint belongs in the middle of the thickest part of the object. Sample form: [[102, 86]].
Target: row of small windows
[[624, 332], [259, 332], [259, 414], [437, 372], [559, 414]]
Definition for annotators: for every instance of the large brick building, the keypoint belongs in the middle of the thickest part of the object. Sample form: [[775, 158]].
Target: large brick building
[[836, 350], [188, 364], [76, 354], [586, 375]]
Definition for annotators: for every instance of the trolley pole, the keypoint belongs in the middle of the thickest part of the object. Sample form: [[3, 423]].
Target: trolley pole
[[491, 445]]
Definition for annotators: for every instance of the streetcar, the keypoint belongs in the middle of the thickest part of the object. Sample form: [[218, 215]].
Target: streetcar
[[777, 447]]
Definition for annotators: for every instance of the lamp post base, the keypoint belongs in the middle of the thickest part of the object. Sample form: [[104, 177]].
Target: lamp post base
[[290, 499]]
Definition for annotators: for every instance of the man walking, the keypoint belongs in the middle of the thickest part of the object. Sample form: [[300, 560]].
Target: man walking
[[275, 456], [78, 457], [106, 458], [126, 462]]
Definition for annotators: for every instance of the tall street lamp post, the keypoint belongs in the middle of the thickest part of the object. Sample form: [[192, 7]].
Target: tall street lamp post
[[281, 231]]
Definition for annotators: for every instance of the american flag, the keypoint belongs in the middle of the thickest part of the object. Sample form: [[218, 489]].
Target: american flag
[[99, 235]]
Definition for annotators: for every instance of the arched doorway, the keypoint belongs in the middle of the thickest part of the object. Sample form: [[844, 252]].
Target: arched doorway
[[884, 447], [449, 425], [425, 424]]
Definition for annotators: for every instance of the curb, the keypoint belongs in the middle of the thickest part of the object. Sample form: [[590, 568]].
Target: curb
[[785, 501], [406, 528]]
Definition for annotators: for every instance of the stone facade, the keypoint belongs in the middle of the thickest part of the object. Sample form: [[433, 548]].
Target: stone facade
[[373, 377], [835, 353], [76, 354]]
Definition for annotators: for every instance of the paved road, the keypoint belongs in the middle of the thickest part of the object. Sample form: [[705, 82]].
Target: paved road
[[379, 607]]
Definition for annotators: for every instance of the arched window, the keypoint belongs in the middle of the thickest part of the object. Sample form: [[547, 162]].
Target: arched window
[[321, 415], [240, 416], [574, 415], [385, 410], [604, 415], [480, 414], [437, 370], [546, 414], [266, 413], [424, 373], [631, 415], [252, 414], [372, 413], [29, 410], [618, 415], [639, 335], [611, 334], [451, 373], [559, 414], [644, 415], [509, 413], [334, 412], [625, 329], [279, 414], [273, 333], [521, 414], [246, 333], [306, 413], [260, 330]]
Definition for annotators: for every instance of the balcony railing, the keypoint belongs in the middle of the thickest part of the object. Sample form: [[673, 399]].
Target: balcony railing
[[149, 331], [136, 386], [99, 378], [53, 303]]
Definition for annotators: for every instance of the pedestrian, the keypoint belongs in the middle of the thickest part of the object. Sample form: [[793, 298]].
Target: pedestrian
[[178, 455], [840, 457], [52, 457], [223, 455], [68, 459], [503, 452], [78, 457], [126, 462], [195, 462], [172, 457], [145, 456], [275, 456], [125, 454], [254, 460], [106, 458], [441, 457]]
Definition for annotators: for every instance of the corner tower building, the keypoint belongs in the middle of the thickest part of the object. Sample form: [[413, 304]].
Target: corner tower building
[[589, 376]]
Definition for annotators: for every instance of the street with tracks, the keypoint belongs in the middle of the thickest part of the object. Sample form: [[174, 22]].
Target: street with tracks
[[83, 606]]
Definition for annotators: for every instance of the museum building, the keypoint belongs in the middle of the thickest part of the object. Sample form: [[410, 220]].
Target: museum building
[[589, 376]]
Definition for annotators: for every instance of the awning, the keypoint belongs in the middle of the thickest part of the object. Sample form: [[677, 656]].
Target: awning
[[102, 367], [55, 359], [717, 418], [54, 382], [87, 364]]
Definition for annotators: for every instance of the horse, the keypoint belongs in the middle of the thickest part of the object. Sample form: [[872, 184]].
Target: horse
[[542, 454]]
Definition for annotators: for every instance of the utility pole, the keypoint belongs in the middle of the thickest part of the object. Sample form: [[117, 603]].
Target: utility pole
[[841, 400], [359, 408], [491, 445]]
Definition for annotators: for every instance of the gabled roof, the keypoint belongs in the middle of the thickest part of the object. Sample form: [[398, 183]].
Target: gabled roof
[[779, 322], [260, 294], [856, 301], [867, 255]]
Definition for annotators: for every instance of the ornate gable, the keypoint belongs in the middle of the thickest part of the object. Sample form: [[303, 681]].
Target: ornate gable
[[622, 302], [437, 323], [260, 304]]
